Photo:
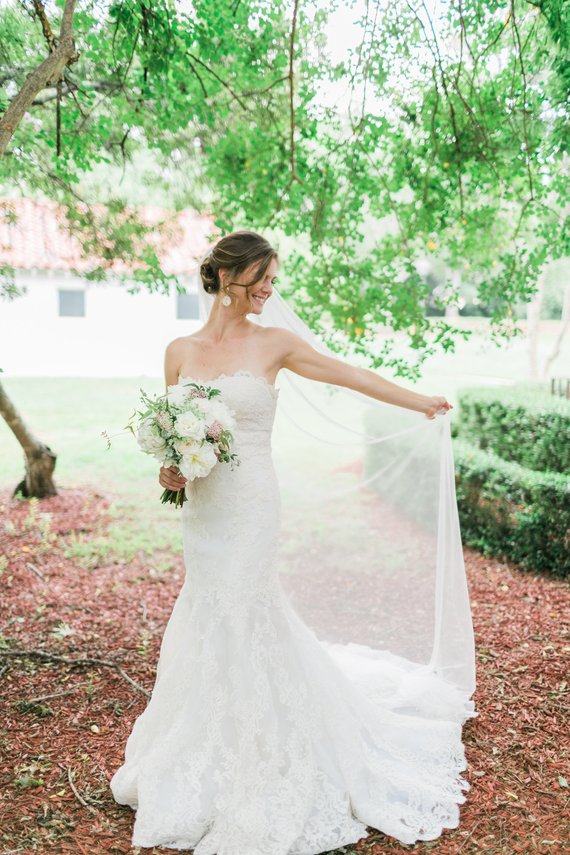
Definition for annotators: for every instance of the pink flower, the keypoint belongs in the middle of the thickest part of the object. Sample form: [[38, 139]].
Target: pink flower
[[165, 421], [196, 393], [215, 430]]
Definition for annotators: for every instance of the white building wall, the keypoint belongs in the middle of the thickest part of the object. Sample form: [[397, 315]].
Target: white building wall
[[121, 335]]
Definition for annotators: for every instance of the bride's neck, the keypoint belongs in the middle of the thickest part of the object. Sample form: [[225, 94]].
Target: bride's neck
[[222, 325]]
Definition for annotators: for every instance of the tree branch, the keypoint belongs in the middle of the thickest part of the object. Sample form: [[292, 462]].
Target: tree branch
[[218, 78], [524, 97], [291, 92], [251, 92], [49, 71], [53, 657], [46, 28]]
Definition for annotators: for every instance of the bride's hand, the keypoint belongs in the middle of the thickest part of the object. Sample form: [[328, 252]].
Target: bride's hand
[[171, 478], [436, 405]]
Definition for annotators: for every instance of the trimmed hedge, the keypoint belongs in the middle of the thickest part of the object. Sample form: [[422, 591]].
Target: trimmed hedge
[[508, 510], [523, 424]]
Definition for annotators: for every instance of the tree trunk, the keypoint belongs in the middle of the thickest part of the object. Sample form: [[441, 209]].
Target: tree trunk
[[40, 459]]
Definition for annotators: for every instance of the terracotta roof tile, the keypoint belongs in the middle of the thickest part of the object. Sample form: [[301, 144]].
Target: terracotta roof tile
[[35, 235]]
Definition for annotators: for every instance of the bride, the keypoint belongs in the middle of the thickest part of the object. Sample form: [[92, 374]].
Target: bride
[[260, 738]]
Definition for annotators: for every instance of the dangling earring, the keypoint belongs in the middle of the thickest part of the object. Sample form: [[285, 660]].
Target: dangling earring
[[226, 300]]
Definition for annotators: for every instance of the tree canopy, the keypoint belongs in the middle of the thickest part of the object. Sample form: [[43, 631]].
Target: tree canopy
[[446, 138]]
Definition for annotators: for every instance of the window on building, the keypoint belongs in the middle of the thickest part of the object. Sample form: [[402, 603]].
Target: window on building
[[71, 303], [187, 306]]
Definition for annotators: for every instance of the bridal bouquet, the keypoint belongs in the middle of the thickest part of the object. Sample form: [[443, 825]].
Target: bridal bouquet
[[188, 427]]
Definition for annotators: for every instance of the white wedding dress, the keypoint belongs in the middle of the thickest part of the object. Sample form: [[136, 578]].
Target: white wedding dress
[[260, 739]]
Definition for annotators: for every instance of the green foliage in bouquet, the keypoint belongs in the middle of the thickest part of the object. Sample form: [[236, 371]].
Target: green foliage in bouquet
[[156, 427]]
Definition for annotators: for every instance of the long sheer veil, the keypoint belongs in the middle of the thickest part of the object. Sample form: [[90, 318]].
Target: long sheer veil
[[370, 551]]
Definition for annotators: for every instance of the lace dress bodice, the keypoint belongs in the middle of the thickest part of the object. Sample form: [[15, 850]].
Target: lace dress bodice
[[237, 508]]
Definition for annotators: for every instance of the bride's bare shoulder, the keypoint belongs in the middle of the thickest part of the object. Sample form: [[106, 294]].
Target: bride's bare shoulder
[[278, 334], [276, 338], [178, 352], [284, 339], [183, 342]]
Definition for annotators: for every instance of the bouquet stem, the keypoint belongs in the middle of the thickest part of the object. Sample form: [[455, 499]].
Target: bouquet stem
[[175, 497]]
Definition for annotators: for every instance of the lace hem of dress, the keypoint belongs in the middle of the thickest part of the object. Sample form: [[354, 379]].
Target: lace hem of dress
[[254, 743]]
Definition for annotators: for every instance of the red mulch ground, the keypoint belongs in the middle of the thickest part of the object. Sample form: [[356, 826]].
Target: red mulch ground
[[64, 725]]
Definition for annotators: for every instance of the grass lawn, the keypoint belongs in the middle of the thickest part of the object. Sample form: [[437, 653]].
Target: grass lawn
[[69, 413]]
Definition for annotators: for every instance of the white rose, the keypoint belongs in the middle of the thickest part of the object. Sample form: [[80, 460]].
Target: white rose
[[176, 394], [221, 412], [150, 440], [186, 445], [190, 426], [197, 461], [204, 405]]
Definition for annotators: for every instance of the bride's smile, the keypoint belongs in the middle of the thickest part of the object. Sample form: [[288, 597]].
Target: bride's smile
[[260, 298]]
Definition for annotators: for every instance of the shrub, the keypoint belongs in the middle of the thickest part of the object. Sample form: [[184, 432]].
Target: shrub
[[509, 510], [522, 424]]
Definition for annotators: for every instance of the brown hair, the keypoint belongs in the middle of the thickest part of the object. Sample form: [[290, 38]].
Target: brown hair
[[236, 252]]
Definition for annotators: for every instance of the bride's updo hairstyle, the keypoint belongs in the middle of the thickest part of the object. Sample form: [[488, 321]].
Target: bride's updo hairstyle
[[235, 253]]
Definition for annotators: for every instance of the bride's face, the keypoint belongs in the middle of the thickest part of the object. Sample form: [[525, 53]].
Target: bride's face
[[251, 300]]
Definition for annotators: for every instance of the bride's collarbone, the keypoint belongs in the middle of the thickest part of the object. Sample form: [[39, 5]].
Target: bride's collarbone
[[209, 360]]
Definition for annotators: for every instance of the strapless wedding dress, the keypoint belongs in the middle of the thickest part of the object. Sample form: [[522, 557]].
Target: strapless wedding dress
[[260, 739]]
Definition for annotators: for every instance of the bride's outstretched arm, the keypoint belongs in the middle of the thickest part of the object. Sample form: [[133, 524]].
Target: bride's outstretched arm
[[301, 358]]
